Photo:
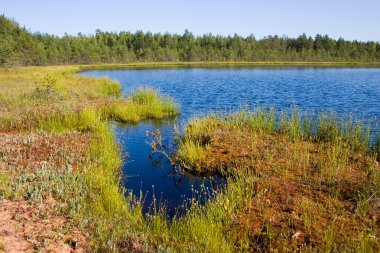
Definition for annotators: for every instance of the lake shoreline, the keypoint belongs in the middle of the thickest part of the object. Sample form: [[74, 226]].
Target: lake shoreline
[[60, 162], [86, 191], [147, 65]]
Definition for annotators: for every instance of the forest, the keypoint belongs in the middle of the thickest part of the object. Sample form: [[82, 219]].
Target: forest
[[20, 47]]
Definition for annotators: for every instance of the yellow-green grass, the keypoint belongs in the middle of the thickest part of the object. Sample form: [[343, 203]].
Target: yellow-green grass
[[145, 103], [46, 109], [327, 129], [289, 188], [28, 95], [241, 218]]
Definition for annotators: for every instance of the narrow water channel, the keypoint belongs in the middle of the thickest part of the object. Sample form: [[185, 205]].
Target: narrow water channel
[[151, 176]]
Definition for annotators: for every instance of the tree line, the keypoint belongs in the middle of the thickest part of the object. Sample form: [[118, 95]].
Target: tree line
[[18, 46]]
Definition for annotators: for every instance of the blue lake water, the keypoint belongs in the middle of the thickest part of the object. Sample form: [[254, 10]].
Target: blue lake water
[[346, 91]]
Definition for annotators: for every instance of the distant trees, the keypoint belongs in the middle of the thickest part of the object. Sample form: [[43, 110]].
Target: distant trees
[[20, 47]]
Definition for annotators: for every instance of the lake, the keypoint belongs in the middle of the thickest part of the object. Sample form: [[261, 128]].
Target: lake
[[350, 92]]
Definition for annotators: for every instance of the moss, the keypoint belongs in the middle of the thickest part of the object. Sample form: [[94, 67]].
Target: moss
[[91, 187], [288, 189]]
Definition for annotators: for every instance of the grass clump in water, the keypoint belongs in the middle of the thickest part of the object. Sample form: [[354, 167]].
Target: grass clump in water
[[192, 155], [152, 104], [143, 104]]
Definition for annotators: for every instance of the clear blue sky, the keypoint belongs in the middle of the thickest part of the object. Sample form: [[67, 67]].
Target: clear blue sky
[[350, 19]]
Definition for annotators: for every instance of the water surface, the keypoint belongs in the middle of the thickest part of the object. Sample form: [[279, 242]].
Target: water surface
[[346, 91]]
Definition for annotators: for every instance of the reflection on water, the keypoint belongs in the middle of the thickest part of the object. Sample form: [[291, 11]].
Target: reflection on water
[[151, 174]]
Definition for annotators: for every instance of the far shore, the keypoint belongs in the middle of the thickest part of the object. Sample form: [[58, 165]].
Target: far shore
[[147, 65], [210, 64]]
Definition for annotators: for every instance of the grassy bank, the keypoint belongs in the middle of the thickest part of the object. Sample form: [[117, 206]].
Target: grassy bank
[[293, 185], [60, 163]]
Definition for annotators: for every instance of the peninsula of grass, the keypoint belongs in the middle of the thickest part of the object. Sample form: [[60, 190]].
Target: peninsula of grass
[[294, 184], [60, 163]]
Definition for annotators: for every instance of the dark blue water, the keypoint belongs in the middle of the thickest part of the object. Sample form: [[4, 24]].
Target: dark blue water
[[346, 91]]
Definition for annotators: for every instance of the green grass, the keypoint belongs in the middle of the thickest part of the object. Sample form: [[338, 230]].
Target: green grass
[[129, 110], [55, 104], [325, 128], [143, 104], [113, 219], [192, 154], [331, 172], [284, 159]]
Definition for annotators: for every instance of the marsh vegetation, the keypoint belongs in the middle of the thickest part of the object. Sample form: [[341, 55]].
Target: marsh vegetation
[[293, 182], [60, 161]]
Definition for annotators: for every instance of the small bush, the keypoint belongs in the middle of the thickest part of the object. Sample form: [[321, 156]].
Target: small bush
[[46, 87]]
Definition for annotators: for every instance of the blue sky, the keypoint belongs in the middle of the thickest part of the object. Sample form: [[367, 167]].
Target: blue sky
[[338, 18]]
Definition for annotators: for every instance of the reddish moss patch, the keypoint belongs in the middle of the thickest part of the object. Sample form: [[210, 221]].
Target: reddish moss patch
[[29, 151], [307, 193], [38, 224]]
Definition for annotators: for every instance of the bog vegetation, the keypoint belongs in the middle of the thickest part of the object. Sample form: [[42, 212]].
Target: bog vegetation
[[293, 183], [18, 46], [60, 164]]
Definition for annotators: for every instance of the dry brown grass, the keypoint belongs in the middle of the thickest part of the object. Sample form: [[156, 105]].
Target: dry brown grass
[[26, 152]]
